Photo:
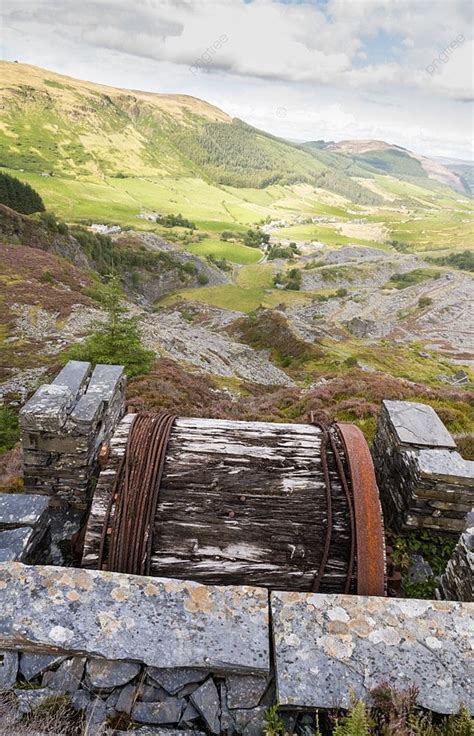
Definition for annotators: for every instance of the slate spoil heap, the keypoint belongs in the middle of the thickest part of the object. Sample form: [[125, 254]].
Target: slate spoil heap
[[424, 482], [63, 426]]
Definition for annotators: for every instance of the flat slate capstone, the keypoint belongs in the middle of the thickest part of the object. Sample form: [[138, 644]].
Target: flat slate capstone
[[15, 543], [329, 645], [21, 509], [418, 424], [118, 617]]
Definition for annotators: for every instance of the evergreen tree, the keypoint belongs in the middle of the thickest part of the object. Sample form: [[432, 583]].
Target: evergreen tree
[[19, 196], [117, 340]]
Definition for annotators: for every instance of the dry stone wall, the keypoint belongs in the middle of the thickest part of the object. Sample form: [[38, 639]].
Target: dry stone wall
[[63, 426], [177, 654], [424, 482], [457, 582]]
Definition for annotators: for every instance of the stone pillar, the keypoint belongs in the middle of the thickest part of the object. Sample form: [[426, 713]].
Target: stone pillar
[[424, 482], [63, 426], [457, 581]]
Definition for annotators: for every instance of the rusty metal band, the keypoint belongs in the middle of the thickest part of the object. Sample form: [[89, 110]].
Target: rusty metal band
[[127, 534], [368, 517]]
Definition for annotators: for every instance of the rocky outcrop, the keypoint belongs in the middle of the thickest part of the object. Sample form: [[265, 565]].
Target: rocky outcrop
[[169, 334]]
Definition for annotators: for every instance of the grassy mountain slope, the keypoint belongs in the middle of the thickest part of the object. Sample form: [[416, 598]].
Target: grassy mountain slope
[[398, 161], [103, 154]]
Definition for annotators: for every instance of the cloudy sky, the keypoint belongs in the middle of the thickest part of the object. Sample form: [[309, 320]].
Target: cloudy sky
[[398, 70]]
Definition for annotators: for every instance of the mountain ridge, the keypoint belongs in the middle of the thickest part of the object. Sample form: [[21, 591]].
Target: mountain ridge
[[53, 123]]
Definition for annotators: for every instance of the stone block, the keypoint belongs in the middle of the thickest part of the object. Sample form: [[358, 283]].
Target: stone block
[[446, 465], [173, 680], [206, 700], [68, 677], [329, 645], [103, 674], [245, 691], [22, 509], [33, 665], [115, 616], [16, 544], [87, 413], [166, 711], [417, 424], [29, 700], [8, 669], [106, 380], [47, 409], [126, 699], [73, 376]]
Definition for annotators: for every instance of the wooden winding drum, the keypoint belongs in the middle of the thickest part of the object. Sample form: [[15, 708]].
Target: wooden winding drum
[[286, 506]]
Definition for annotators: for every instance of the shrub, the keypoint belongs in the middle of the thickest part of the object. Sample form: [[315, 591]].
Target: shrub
[[9, 429], [255, 238], [425, 301], [175, 221], [202, 278]]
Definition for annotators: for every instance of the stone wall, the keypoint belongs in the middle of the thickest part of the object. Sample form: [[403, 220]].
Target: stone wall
[[424, 482], [63, 426], [178, 654], [457, 581]]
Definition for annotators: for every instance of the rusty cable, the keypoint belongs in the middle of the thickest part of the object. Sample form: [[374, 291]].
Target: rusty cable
[[327, 482], [127, 535], [328, 442], [345, 482]]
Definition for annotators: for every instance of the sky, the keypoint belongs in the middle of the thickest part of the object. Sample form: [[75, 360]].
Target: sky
[[395, 70]]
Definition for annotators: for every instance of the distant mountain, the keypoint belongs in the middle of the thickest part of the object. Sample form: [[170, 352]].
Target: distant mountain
[[53, 125], [397, 161]]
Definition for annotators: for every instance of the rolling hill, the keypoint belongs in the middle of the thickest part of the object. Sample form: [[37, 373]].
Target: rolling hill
[[104, 143]]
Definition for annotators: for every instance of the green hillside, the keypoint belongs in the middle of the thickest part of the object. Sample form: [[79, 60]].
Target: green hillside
[[97, 153]]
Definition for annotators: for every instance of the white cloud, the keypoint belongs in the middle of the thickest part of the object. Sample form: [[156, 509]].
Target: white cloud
[[327, 61]]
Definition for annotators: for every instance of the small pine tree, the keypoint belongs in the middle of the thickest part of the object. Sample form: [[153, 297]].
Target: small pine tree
[[117, 340]]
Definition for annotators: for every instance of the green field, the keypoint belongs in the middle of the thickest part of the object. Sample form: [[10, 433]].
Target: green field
[[233, 252]]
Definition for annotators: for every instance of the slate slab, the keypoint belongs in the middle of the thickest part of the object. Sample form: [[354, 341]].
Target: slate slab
[[173, 679], [47, 409], [68, 677], [206, 700], [162, 712], [21, 509], [126, 699], [101, 673], [73, 376], [115, 616], [8, 669], [327, 645], [28, 700], [244, 691], [447, 465], [33, 665], [417, 424], [15, 544], [105, 380]]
